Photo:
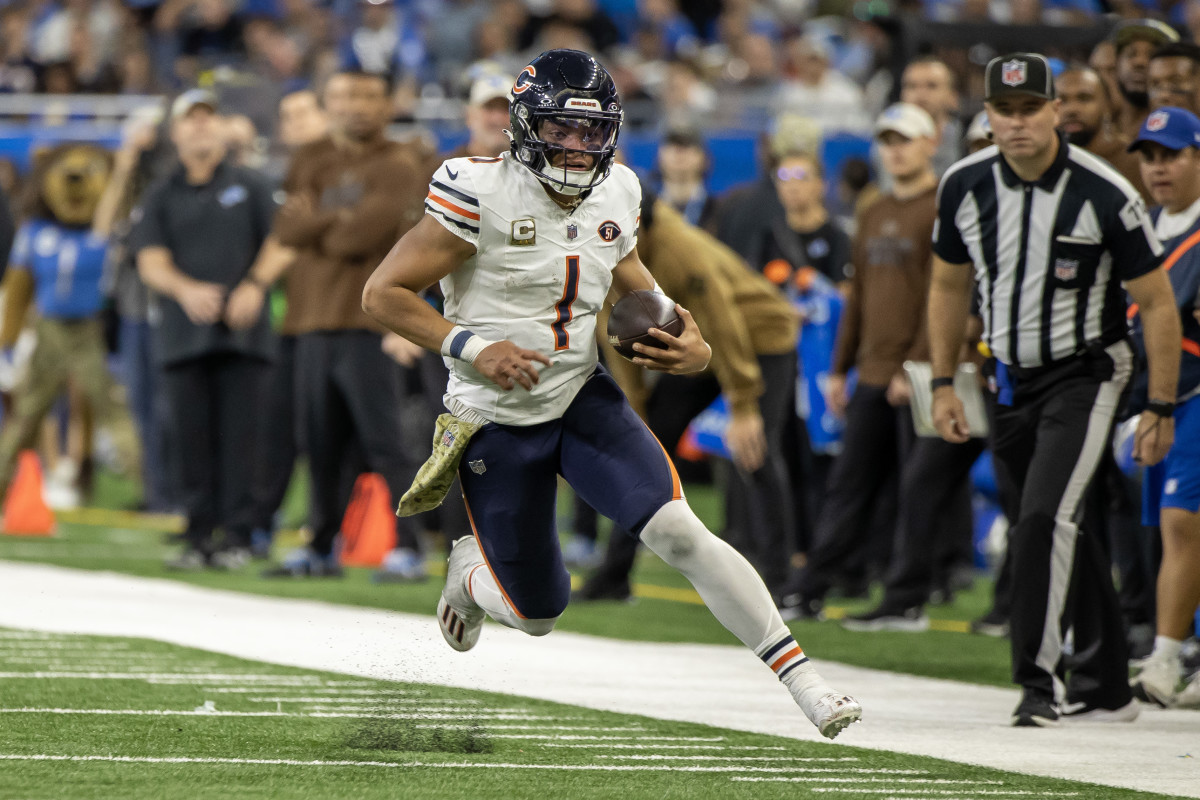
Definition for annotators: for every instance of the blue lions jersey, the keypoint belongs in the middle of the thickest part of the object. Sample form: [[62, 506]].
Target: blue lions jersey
[[67, 265]]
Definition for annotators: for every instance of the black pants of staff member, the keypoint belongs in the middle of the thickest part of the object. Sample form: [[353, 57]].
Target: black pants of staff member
[[349, 393], [673, 403], [279, 436], [876, 441], [215, 410], [1051, 440], [933, 474]]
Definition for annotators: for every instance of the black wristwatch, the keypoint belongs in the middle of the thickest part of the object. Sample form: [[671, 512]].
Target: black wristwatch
[[1161, 408], [938, 383]]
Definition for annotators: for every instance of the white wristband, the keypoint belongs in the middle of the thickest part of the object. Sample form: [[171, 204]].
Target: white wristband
[[464, 345]]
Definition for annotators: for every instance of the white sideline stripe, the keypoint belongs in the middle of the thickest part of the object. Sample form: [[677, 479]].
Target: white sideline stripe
[[856, 780], [975, 792], [614, 738], [287, 762], [617, 746], [154, 712], [630, 729], [312, 690], [660, 757], [376, 699], [227, 677]]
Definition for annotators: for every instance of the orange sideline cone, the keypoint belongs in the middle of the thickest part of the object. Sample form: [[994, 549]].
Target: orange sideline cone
[[369, 527], [25, 511]]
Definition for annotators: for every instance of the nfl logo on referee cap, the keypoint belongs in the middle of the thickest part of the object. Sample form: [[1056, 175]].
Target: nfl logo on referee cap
[[1157, 121], [1013, 73]]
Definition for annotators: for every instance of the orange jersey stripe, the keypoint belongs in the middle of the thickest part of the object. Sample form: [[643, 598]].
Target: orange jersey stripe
[[1191, 346], [452, 207], [1176, 254], [786, 657]]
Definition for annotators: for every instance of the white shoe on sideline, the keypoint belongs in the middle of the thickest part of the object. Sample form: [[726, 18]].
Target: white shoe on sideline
[[830, 711], [1189, 695], [1157, 682], [459, 617], [1080, 712]]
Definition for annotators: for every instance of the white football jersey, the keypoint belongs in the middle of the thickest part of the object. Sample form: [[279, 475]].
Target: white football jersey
[[539, 276]]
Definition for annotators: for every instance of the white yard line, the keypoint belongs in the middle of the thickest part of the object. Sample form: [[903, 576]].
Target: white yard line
[[715, 685], [413, 764]]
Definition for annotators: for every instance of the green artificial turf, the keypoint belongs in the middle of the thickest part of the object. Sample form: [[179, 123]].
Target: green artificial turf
[[394, 740]]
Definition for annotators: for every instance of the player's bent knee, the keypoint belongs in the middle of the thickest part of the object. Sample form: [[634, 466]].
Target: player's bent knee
[[537, 627], [674, 532]]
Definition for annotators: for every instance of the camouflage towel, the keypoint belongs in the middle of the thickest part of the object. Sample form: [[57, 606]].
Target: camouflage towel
[[429, 488]]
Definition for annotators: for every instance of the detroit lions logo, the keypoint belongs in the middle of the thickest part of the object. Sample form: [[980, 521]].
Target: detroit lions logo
[[522, 82], [609, 231]]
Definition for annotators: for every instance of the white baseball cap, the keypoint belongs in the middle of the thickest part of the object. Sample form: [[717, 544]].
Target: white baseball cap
[[192, 98], [488, 88], [980, 129], [908, 120]]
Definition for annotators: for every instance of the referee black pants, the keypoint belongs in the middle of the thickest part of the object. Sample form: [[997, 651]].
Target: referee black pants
[[350, 398], [1051, 440], [768, 523]]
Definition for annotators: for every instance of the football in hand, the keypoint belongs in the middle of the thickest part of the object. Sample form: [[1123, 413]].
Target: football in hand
[[635, 314]]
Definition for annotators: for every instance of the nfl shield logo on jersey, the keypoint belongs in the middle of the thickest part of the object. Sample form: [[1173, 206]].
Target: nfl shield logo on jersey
[[572, 230], [1066, 269], [448, 439], [477, 466], [1013, 73]]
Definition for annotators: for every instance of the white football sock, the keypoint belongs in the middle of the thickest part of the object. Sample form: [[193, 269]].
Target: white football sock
[[483, 587], [1166, 648], [731, 589]]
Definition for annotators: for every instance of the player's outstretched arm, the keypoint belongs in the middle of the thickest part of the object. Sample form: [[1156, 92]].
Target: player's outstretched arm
[[424, 256], [421, 258], [687, 352]]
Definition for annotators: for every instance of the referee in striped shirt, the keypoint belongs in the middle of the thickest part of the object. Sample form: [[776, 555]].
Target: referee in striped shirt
[[1053, 233]]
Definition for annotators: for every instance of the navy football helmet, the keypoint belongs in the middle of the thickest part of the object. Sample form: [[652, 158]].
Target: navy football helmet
[[565, 91]]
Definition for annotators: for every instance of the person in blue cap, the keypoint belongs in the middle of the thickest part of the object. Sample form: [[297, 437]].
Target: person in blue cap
[[1169, 149]]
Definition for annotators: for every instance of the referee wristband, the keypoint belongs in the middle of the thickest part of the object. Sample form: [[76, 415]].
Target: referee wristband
[[1161, 408], [938, 383], [464, 345]]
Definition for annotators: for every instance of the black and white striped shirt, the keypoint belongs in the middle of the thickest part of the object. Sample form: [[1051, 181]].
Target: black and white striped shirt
[[1050, 255]]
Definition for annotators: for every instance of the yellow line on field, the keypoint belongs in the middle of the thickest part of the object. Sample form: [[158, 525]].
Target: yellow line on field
[[137, 520]]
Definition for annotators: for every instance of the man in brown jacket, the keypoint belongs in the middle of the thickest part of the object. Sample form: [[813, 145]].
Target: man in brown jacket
[[882, 326], [350, 196], [752, 331]]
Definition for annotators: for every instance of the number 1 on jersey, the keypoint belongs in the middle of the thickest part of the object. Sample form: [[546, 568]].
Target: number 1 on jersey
[[562, 339]]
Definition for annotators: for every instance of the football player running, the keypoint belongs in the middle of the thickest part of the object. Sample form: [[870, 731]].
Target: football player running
[[527, 248]]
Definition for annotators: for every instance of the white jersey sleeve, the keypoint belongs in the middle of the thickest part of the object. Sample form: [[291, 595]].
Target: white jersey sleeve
[[453, 201]]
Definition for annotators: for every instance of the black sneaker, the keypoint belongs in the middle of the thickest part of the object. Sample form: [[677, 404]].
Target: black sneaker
[[795, 606], [888, 618], [991, 624], [1035, 710]]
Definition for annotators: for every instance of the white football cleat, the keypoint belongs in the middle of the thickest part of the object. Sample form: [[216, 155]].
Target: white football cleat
[[1189, 695], [1157, 682], [830, 711], [459, 617]]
